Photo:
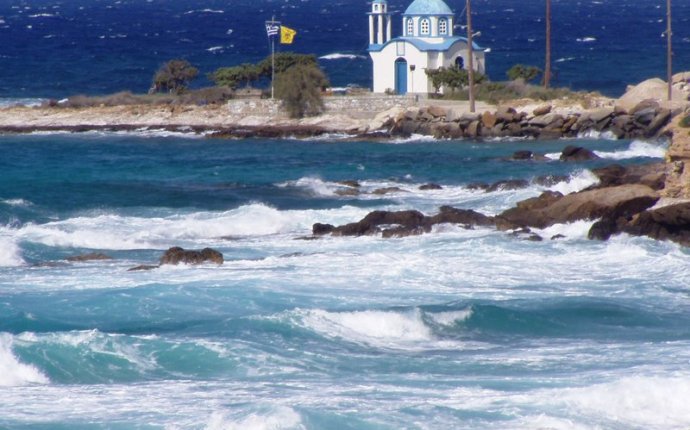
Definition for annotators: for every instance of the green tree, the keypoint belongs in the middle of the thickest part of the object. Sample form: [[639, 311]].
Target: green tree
[[299, 88], [521, 71], [235, 76], [174, 77], [284, 61]]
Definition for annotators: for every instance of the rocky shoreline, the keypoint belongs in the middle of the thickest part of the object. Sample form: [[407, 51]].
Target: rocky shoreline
[[645, 120], [650, 200], [626, 200]]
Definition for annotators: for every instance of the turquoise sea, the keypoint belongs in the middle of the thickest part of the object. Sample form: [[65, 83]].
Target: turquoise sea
[[456, 329]]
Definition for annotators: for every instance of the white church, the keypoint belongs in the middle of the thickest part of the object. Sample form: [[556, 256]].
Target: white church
[[427, 43]]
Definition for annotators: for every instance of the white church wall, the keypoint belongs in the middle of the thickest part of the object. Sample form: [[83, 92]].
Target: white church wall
[[460, 49]]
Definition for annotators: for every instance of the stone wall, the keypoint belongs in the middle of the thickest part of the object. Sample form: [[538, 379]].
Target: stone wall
[[363, 106]]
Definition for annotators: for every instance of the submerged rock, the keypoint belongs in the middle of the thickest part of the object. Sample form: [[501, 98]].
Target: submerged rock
[[142, 268], [177, 255], [430, 186], [93, 256]]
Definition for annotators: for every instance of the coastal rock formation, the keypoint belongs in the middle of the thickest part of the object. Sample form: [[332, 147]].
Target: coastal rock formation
[[665, 223], [654, 89], [645, 119], [677, 157], [554, 208], [652, 175], [403, 223], [177, 255], [623, 203]]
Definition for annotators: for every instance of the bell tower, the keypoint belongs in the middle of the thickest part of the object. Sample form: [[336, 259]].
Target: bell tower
[[379, 23]]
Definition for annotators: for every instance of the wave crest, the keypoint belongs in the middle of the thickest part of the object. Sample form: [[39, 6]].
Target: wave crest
[[637, 149], [14, 373], [10, 254]]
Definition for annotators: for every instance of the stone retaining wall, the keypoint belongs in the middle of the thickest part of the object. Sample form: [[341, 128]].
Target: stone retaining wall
[[356, 107]]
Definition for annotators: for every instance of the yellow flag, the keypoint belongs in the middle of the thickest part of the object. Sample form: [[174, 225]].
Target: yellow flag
[[286, 34]]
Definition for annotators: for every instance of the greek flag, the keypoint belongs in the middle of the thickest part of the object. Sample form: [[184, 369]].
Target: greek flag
[[272, 28]]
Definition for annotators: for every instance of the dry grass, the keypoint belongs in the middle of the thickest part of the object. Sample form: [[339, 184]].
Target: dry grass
[[200, 97]]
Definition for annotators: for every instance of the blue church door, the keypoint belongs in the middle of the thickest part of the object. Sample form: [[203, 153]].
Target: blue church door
[[401, 76]]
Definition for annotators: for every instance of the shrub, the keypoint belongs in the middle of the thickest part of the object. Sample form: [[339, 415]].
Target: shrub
[[299, 88], [452, 77], [685, 121]]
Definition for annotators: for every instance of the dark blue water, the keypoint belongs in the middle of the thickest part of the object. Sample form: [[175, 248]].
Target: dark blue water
[[52, 48]]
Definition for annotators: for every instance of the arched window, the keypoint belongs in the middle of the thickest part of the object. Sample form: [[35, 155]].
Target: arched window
[[410, 27], [442, 27], [460, 63], [424, 26]]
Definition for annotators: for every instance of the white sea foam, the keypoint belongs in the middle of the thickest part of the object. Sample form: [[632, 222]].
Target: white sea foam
[[112, 231], [12, 371], [450, 318], [577, 182], [189, 12], [339, 56], [414, 138], [659, 402], [574, 230], [28, 102], [215, 49], [564, 59], [379, 328], [10, 253], [316, 185], [597, 135], [274, 418], [16, 202], [637, 149], [586, 39]]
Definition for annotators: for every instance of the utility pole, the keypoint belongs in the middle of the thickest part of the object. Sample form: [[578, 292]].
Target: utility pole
[[470, 62], [547, 67], [669, 51]]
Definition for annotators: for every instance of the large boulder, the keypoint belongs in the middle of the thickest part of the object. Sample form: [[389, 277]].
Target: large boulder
[[177, 255], [666, 223], [652, 175], [652, 89], [577, 153], [553, 208]]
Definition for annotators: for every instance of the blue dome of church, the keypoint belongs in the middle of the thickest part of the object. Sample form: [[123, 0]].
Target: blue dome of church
[[428, 7]]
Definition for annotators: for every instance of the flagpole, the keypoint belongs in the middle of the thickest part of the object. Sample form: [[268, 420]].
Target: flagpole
[[470, 71], [669, 51], [273, 59], [273, 64]]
